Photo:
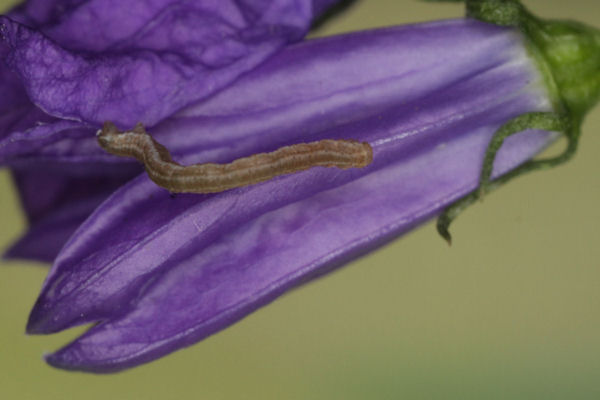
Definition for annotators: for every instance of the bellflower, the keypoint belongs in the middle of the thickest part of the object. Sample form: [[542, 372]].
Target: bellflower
[[218, 80]]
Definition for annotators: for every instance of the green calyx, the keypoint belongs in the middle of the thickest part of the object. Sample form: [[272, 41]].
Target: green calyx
[[568, 55], [572, 52], [567, 51]]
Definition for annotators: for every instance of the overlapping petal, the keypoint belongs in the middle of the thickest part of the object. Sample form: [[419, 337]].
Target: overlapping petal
[[150, 58], [426, 97], [56, 200]]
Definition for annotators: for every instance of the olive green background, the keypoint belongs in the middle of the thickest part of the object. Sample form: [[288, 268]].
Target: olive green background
[[510, 311]]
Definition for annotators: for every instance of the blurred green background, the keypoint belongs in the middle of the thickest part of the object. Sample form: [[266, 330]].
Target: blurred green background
[[510, 311]]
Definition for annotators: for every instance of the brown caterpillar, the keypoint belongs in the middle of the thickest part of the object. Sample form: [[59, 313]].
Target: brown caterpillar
[[212, 178]]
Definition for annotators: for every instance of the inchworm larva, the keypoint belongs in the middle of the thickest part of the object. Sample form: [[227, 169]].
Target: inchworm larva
[[211, 178]]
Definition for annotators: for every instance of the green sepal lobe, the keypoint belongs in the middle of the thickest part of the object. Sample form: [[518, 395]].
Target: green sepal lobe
[[567, 54]]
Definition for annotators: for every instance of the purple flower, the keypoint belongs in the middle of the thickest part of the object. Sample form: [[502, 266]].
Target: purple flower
[[215, 81]]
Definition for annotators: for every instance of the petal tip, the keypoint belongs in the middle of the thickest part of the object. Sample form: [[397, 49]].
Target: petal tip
[[42, 319], [49, 315], [74, 358], [69, 358], [58, 360], [35, 323]]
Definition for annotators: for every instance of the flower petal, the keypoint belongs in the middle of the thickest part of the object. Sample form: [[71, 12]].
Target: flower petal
[[155, 57], [37, 13], [249, 263], [14, 103], [57, 139], [56, 201], [305, 89], [426, 97]]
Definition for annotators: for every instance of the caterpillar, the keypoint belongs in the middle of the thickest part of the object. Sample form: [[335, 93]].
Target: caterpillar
[[213, 178]]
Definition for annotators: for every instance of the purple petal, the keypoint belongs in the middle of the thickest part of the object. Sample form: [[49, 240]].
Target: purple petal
[[152, 58], [427, 98], [37, 13], [248, 266], [305, 89], [60, 141], [43, 239], [14, 103], [320, 6], [56, 200]]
